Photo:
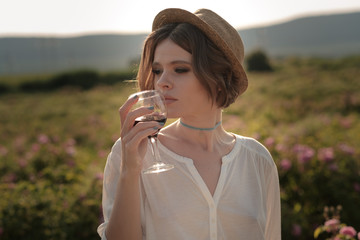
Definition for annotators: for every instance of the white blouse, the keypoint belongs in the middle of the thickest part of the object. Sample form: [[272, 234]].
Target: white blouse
[[177, 204]]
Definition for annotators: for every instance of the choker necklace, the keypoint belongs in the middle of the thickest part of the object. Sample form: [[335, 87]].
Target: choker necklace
[[201, 129]]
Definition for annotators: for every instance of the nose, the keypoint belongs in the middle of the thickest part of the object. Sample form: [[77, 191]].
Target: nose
[[164, 82]]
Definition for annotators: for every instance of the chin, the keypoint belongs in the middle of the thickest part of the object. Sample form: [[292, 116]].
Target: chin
[[172, 114]]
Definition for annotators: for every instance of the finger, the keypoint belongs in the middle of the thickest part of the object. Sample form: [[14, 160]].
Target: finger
[[152, 126], [134, 139], [126, 107], [131, 116]]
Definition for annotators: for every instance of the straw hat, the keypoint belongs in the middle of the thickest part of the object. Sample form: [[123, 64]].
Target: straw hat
[[220, 32]]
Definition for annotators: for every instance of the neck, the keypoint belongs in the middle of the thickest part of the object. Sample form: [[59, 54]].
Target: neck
[[217, 140], [205, 132]]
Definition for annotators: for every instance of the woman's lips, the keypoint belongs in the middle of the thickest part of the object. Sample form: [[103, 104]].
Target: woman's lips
[[169, 100]]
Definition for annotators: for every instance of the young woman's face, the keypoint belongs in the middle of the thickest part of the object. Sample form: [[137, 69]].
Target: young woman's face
[[174, 76]]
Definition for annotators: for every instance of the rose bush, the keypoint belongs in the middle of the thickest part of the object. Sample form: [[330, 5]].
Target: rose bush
[[333, 229], [53, 148]]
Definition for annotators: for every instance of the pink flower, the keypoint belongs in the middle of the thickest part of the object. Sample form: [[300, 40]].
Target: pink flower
[[357, 187], [269, 142], [346, 122], [332, 225], [11, 185], [347, 230], [280, 147], [19, 143], [333, 167], [101, 216], [70, 142], [32, 178], [22, 163], [65, 204], [359, 235], [35, 147], [99, 176], [70, 150], [3, 151], [82, 196], [347, 149], [71, 163], [326, 154], [285, 164], [296, 230], [304, 153], [10, 178], [102, 153], [43, 139]]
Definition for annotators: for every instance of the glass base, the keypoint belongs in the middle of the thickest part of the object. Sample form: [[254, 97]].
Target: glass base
[[158, 168]]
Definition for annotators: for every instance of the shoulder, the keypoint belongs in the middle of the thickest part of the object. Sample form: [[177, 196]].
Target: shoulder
[[116, 148], [253, 147], [114, 157]]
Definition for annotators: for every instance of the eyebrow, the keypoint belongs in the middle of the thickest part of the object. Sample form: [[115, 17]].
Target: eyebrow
[[174, 62]]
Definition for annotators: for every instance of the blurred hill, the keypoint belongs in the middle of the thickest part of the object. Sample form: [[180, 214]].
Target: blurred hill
[[49, 55], [335, 35]]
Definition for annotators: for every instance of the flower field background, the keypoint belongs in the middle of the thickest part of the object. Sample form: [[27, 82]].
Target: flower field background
[[54, 144]]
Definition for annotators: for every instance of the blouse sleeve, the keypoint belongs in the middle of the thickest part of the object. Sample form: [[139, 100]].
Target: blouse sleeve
[[271, 190], [273, 219], [111, 177]]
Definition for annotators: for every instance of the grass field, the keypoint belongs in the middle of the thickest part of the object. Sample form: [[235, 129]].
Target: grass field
[[53, 147]]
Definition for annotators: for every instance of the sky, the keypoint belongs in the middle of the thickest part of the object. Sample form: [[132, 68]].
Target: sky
[[80, 17]]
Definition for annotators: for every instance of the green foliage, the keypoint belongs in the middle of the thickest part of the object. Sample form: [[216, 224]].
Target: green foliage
[[52, 158], [257, 61], [82, 79], [47, 193], [4, 88], [43, 210], [53, 147], [309, 118]]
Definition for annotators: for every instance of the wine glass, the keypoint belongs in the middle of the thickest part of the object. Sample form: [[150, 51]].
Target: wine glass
[[153, 99]]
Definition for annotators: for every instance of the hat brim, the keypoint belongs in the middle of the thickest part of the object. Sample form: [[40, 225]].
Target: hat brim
[[176, 15]]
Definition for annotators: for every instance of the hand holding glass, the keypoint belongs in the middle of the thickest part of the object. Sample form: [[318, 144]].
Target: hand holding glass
[[153, 99]]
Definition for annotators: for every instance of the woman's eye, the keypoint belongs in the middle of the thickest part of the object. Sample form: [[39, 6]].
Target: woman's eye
[[181, 70], [156, 71]]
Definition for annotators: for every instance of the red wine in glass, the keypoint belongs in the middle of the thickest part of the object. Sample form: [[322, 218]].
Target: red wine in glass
[[147, 118], [153, 99]]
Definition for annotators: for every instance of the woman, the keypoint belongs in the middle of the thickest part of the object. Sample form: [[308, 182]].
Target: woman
[[223, 186]]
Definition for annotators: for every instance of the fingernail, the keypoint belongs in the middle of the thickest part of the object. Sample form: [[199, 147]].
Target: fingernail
[[161, 123], [151, 108], [135, 97], [155, 128]]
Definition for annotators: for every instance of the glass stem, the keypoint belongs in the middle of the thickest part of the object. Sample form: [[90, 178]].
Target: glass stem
[[155, 150]]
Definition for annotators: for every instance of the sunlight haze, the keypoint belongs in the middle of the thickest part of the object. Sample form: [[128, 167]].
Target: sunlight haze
[[77, 17]]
